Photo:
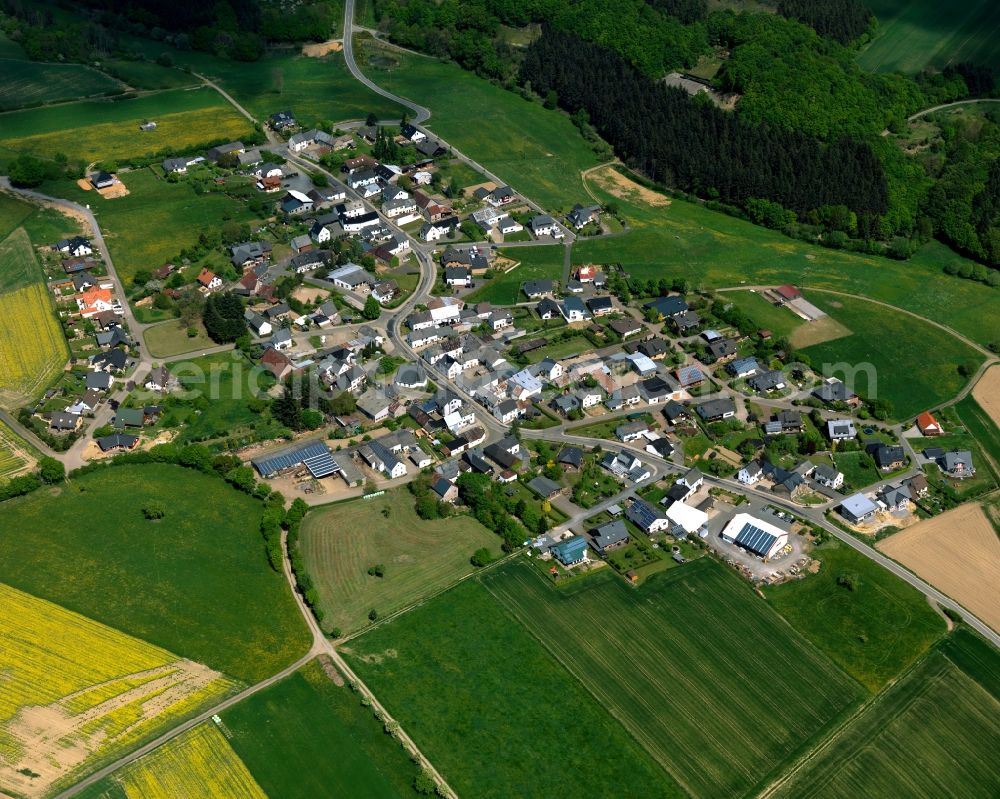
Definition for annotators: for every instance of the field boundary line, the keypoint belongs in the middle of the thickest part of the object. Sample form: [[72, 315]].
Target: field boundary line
[[423, 600], [575, 675]]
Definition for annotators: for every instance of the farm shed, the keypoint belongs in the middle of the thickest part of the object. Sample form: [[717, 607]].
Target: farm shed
[[754, 535], [314, 456]]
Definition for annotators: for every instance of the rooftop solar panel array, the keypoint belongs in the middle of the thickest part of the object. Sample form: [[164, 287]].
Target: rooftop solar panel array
[[755, 540], [278, 462], [321, 465]]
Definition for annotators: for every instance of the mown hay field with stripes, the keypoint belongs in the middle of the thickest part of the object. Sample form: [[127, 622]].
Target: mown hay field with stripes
[[32, 347], [76, 692], [15, 456], [713, 683], [340, 543], [197, 763], [934, 733]]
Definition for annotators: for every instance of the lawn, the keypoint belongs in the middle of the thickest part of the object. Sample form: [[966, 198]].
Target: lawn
[[171, 338], [225, 398], [30, 83], [711, 249], [687, 664], [935, 733], [306, 737], [923, 34], [421, 557], [915, 364], [858, 469], [33, 349], [156, 221], [873, 632], [536, 263], [538, 152], [565, 348], [197, 583], [493, 710], [94, 130], [779, 320], [984, 479]]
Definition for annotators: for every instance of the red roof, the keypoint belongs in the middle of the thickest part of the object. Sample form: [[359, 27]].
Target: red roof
[[205, 277], [926, 421], [789, 292]]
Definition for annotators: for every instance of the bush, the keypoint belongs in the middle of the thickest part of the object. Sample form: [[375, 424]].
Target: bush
[[51, 471], [153, 509], [849, 580], [481, 557]]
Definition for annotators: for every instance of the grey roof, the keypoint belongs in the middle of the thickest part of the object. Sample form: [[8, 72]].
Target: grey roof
[[607, 535], [642, 513], [716, 408], [858, 506], [543, 486]]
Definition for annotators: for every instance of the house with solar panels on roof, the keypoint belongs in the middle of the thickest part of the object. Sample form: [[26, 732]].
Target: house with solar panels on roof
[[756, 536], [314, 456]]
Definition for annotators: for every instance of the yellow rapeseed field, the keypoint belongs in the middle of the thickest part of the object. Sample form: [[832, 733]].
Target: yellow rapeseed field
[[32, 348], [121, 140], [73, 691], [199, 764]]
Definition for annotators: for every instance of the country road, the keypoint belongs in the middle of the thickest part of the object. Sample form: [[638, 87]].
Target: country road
[[941, 107]]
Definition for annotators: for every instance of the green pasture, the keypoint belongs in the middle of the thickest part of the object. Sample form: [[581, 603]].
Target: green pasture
[[495, 713], [30, 83], [196, 582], [540, 262], [873, 632], [306, 737]]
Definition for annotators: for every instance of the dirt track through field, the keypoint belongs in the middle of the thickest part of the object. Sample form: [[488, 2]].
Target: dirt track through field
[[987, 393], [959, 553], [824, 329], [624, 188], [322, 48]]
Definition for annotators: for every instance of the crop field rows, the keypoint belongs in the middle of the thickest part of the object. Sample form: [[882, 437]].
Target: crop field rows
[[76, 692], [712, 683], [14, 457], [934, 733], [33, 349]]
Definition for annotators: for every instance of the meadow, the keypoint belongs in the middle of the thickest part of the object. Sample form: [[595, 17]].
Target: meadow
[[688, 664], [922, 34], [307, 737], [916, 364], [196, 583], [710, 249], [538, 152], [75, 692], [148, 75], [12, 213], [171, 338], [779, 320], [156, 220], [339, 544], [873, 632], [95, 130], [33, 349], [543, 262], [493, 710], [30, 83], [934, 733], [199, 762]]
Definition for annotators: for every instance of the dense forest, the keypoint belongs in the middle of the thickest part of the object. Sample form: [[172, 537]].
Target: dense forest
[[698, 147]]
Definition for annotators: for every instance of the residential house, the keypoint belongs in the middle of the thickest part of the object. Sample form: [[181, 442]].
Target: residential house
[[895, 498], [828, 476], [249, 254], [858, 509], [581, 215], [458, 277], [102, 180], [646, 517], [277, 363], [63, 421], [534, 289], [889, 458], [840, 430], [917, 486], [257, 323], [626, 327], [631, 431], [434, 231], [743, 367], [295, 203], [770, 380], [209, 281], [833, 391], [689, 376], [660, 447], [958, 464], [715, 410], [750, 474], [674, 412], [571, 551], [722, 350], [610, 535], [215, 154], [180, 165], [600, 306], [545, 225], [507, 411], [548, 309], [685, 322], [160, 380], [281, 339], [352, 277], [667, 307], [928, 425], [573, 310]]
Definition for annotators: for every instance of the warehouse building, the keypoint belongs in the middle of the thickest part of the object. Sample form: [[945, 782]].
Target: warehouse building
[[314, 456], [760, 538]]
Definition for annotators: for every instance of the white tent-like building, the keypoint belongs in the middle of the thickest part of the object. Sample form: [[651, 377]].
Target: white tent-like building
[[686, 518]]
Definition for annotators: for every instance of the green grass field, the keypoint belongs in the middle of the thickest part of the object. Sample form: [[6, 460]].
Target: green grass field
[[340, 543], [874, 632], [536, 263], [935, 733], [155, 221], [305, 737], [856, 475], [225, 393], [149, 75], [780, 321], [171, 338], [711, 249], [12, 213], [30, 83], [916, 364], [93, 130], [919, 34], [491, 708], [196, 583], [690, 665], [538, 152], [18, 264]]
